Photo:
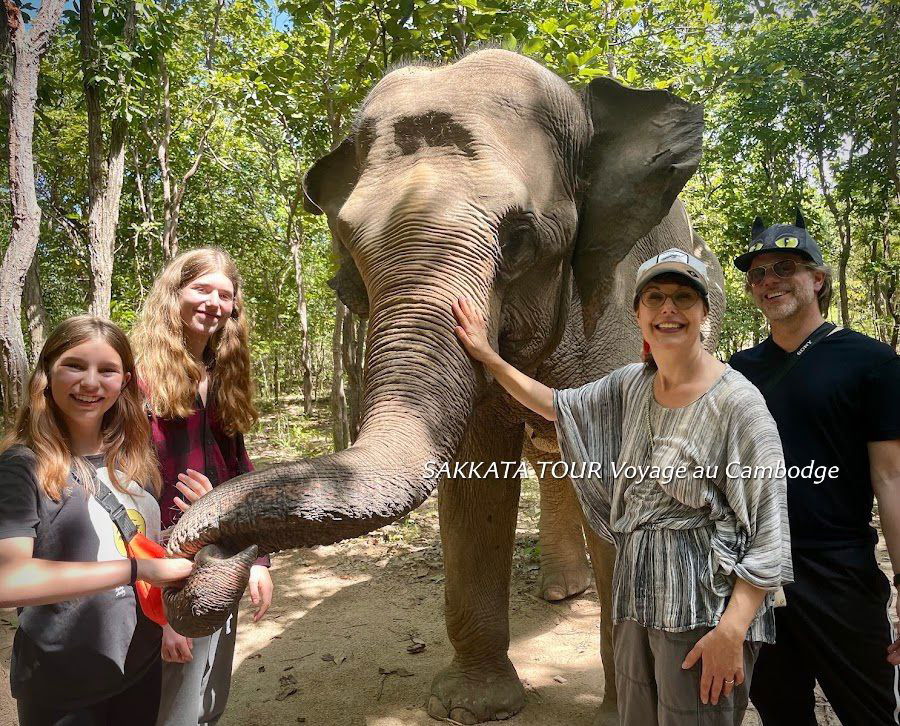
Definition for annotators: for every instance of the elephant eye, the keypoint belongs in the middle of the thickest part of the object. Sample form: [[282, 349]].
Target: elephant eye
[[518, 243]]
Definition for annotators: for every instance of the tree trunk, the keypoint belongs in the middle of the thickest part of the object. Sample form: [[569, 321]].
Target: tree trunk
[[610, 53], [353, 350], [353, 326], [340, 426], [841, 221], [106, 171], [35, 313], [276, 373], [295, 239], [843, 260], [27, 48], [170, 213], [173, 189]]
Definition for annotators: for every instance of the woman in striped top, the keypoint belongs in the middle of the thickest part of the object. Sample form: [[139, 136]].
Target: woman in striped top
[[685, 476]]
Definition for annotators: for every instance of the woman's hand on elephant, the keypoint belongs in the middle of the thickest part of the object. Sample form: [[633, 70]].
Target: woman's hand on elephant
[[722, 653], [472, 331], [261, 589], [164, 571], [176, 648], [193, 485]]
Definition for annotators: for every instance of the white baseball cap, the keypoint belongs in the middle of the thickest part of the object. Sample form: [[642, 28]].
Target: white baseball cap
[[677, 261]]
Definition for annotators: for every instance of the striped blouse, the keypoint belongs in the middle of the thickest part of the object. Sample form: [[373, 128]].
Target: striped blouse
[[692, 497]]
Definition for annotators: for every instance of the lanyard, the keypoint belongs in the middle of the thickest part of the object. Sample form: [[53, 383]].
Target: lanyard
[[820, 333]]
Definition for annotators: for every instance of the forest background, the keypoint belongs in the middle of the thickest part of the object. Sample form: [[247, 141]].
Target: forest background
[[139, 128]]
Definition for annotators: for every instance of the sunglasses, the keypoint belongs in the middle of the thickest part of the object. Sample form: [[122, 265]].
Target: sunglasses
[[683, 299], [782, 269]]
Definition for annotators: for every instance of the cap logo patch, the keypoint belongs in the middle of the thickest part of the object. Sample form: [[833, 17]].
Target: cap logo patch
[[787, 242], [754, 247]]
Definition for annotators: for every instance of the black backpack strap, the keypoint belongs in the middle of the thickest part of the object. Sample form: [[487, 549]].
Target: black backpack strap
[[820, 333], [106, 499]]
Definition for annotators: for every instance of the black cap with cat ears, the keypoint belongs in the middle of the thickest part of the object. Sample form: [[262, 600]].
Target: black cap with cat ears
[[780, 238]]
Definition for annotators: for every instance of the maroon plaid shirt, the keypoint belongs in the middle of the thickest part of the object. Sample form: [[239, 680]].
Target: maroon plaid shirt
[[197, 442]]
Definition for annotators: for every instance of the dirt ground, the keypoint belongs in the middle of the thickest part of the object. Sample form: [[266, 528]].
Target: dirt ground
[[356, 630]]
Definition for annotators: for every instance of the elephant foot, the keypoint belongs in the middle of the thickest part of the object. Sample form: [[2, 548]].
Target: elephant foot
[[608, 715], [560, 582], [473, 696]]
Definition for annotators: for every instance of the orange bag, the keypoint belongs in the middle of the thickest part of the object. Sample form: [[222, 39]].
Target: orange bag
[[149, 596]]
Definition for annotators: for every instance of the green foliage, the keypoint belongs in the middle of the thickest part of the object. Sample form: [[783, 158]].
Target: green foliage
[[265, 89]]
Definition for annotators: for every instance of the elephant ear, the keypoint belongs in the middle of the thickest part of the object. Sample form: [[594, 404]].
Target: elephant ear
[[326, 187], [330, 180], [645, 146]]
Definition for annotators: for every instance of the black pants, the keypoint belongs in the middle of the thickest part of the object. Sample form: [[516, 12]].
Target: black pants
[[834, 630], [135, 706]]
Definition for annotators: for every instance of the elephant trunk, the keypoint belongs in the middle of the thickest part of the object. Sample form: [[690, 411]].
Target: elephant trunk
[[420, 388]]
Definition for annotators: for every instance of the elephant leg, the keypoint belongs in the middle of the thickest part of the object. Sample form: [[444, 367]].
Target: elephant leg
[[564, 565], [478, 522], [603, 557]]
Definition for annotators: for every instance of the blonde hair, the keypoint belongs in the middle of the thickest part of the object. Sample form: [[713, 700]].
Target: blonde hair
[[169, 372], [125, 429]]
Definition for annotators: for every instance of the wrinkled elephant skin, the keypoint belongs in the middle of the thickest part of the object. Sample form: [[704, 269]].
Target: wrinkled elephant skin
[[489, 178]]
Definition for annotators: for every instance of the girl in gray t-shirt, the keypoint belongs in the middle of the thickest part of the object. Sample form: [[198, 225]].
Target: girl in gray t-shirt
[[84, 652]]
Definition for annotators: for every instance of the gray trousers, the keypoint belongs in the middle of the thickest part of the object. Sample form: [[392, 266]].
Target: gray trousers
[[654, 689], [196, 692]]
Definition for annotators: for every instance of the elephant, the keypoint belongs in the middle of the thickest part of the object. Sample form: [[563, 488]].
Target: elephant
[[488, 178]]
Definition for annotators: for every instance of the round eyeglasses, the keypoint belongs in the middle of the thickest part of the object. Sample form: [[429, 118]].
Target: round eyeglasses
[[684, 299], [782, 269]]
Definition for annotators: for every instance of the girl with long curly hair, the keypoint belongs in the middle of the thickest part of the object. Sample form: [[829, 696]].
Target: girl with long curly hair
[[84, 651], [194, 364]]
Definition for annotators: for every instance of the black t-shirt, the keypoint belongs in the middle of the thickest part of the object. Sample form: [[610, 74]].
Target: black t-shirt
[[82, 651], [843, 393]]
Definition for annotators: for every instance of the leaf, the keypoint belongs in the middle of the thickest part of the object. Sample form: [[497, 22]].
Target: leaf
[[533, 45], [550, 26]]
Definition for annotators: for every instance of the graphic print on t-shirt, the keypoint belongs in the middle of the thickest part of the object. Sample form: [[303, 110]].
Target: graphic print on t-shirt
[[142, 510]]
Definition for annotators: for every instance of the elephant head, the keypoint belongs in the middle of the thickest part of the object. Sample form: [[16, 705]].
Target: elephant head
[[488, 178]]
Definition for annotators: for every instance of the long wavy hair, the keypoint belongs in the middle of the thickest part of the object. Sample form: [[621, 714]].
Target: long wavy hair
[[125, 429], [169, 374]]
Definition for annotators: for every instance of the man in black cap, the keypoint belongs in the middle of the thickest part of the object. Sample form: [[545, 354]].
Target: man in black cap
[[835, 395]]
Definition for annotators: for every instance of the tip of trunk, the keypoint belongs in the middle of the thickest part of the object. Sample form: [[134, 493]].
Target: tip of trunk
[[210, 593]]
